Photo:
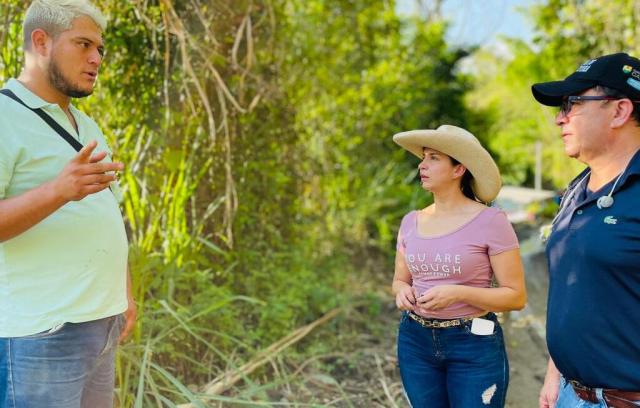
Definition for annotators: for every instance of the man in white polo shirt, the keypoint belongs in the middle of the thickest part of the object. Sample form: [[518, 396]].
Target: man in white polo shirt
[[65, 295]]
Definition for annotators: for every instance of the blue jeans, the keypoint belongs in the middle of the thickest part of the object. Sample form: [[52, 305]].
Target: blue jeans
[[452, 367], [567, 398], [71, 366]]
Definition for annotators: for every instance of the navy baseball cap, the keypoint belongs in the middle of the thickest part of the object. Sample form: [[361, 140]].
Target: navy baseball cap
[[618, 71]]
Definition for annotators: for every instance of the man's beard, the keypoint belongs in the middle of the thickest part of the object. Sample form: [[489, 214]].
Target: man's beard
[[62, 84]]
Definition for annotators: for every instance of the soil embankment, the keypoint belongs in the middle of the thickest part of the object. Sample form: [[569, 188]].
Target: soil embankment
[[525, 331]]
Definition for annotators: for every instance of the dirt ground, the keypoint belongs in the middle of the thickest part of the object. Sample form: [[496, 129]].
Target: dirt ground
[[362, 371], [359, 369], [525, 335]]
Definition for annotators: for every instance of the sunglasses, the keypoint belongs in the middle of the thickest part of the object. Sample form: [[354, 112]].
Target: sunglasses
[[568, 101]]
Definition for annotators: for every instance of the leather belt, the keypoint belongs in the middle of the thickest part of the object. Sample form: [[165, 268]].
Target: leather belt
[[614, 398], [439, 323]]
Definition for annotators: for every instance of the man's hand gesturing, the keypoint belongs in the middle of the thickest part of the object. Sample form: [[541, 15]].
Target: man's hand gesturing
[[85, 175]]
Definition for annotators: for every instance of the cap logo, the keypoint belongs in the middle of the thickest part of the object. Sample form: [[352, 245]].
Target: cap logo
[[585, 66], [636, 74], [626, 69], [633, 83]]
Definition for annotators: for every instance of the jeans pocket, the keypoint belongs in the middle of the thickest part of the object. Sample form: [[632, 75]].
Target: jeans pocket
[[467, 329], [404, 316], [114, 329], [119, 323], [47, 333], [122, 322]]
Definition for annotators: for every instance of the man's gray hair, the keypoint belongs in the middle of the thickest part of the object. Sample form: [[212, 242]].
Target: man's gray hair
[[56, 16]]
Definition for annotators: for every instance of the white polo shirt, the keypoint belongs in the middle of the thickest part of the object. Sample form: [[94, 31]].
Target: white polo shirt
[[70, 267]]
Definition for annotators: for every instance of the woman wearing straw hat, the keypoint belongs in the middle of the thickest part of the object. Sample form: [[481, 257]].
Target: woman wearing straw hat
[[450, 346]]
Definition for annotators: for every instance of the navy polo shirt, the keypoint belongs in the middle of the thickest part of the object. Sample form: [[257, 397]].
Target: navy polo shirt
[[593, 312]]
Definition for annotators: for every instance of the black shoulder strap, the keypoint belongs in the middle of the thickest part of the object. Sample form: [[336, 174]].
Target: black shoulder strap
[[50, 121]]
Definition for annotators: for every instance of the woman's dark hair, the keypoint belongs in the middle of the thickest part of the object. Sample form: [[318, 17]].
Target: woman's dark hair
[[465, 183]]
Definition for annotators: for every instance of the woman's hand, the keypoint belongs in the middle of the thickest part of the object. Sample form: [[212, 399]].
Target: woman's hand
[[401, 286], [406, 298], [439, 297]]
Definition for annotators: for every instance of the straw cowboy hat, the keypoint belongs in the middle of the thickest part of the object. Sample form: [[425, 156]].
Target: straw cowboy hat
[[462, 146]]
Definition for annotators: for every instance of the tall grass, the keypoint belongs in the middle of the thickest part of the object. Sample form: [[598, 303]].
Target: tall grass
[[248, 200]]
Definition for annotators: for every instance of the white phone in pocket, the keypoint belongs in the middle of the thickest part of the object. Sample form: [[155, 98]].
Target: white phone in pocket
[[482, 327]]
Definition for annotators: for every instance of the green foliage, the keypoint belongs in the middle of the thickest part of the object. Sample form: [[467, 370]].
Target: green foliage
[[568, 33], [370, 75], [544, 210], [515, 120], [262, 187], [10, 38]]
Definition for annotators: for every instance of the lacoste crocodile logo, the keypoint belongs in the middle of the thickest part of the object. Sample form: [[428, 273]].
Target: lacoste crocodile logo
[[609, 219]]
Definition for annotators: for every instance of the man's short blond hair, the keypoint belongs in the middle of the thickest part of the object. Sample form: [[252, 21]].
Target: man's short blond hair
[[56, 16]]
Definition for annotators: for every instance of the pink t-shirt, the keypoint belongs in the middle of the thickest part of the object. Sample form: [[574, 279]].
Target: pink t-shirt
[[460, 257]]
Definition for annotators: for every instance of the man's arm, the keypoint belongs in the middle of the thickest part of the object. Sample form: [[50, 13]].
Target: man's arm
[[83, 175], [132, 311], [550, 388]]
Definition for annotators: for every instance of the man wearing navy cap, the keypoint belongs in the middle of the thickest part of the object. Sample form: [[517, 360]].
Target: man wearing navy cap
[[593, 312]]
